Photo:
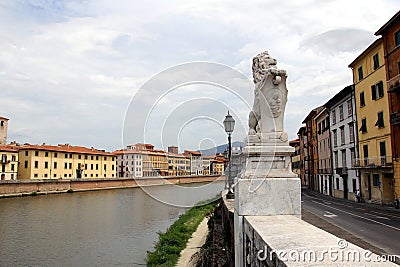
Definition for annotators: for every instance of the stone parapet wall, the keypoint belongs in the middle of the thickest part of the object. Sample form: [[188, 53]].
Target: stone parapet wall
[[27, 187]]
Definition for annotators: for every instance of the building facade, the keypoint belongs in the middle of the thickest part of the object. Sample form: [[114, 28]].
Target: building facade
[[296, 161], [9, 162], [373, 124], [390, 33], [3, 130], [312, 149], [324, 173], [302, 135], [196, 162], [129, 163], [343, 143], [64, 162]]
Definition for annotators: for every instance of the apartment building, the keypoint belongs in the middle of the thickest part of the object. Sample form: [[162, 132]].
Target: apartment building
[[390, 33], [129, 162], [9, 162], [302, 135], [196, 162], [343, 143], [324, 171], [296, 162], [374, 136], [64, 162]]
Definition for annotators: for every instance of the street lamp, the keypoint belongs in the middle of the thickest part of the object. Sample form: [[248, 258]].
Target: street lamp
[[229, 125]]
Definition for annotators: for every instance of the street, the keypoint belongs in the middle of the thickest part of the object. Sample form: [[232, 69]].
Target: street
[[374, 225]]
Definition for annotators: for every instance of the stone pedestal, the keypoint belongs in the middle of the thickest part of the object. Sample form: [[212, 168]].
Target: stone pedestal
[[267, 186]]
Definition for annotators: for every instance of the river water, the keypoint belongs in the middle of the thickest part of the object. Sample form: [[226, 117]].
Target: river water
[[97, 228]]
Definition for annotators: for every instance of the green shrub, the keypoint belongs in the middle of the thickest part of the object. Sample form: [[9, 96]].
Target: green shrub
[[173, 241]]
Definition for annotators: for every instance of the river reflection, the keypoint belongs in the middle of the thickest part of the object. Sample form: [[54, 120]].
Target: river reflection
[[98, 228]]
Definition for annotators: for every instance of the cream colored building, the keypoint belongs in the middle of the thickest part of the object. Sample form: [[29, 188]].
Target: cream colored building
[[8, 162], [373, 124], [129, 162], [64, 162]]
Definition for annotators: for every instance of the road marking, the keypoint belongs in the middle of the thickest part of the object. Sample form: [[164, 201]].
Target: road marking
[[329, 214], [386, 214], [368, 219], [326, 202], [376, 216]]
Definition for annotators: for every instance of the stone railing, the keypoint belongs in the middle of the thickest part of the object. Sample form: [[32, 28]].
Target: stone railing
[[286, 240]]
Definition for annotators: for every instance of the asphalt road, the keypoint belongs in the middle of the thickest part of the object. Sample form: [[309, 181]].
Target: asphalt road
[[375, 225]]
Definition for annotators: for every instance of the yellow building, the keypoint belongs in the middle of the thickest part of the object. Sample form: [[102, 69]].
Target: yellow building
[[374, 139], [155, 162], [177, 164], [64, 162], [8, 162]]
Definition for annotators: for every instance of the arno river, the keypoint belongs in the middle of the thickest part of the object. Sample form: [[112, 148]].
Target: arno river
[[98, 228]]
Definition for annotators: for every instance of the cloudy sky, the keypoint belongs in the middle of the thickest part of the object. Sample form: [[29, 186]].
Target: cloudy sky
[[72, 71]]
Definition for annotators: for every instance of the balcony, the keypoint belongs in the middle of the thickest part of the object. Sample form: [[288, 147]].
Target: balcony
[[395, 118], [394, 84], [373, 162]]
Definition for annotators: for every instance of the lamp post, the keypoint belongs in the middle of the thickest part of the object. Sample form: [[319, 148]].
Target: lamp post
[[229, 125]]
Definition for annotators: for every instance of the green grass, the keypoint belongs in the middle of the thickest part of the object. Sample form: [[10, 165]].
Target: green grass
[[173, 241]]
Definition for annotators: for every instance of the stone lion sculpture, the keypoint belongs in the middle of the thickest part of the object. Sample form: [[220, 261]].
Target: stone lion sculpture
[[270, 95]]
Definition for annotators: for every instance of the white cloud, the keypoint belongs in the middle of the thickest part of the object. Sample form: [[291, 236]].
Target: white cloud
[[68, 69]]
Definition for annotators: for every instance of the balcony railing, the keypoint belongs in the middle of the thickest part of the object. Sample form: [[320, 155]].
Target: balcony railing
[[372, 162], [394, 83], [342, 171]]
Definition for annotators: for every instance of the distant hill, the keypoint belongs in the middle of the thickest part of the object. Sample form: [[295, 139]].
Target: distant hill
[[219, 149]]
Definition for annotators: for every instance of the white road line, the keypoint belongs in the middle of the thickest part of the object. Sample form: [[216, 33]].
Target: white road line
[[376, 216], [384, 224], [386, 214], [329, 214]]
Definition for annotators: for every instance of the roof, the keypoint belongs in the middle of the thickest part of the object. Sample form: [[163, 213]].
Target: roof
[[312, 114], [390, 23], [339, 96], [127, 151], [3, 118], [302, 129], [9, 148], [369, 48], [197, 153], [175, 155], [66, 148]]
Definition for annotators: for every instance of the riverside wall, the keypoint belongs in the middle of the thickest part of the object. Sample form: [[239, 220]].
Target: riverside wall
[[53, 186]]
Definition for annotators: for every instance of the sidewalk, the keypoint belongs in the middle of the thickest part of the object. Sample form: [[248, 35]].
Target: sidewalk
[[194, 244], [363, 204]]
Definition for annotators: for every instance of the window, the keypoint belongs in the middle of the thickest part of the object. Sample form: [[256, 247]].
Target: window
[[337, 183], [55, 165], [97, 157], [1, 123], [342, 141], [66, 156], [86, 157], [341, 112], [55, 155], [36, 153], [91, 166], [70, 166], [375, 180], [70, 156], [97, 166], [26, 164], [105, 158], [35, 175], [105, 167], [65, 165], [360, 73], [112, 167], [12, 167], [45, 175], [363, 127], [46, 154], [351, 132], [344, 158], [382, 152], [333, 117], [85, 166], [380, 123], [336, 159], [352, 156], [79, 156], [46, 165], [349, 108], [362, 99], [397, 38], [26, 153], [55, 175], [377, 91], [36, 164], [376, 61], [365, 152], [91, 157]]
